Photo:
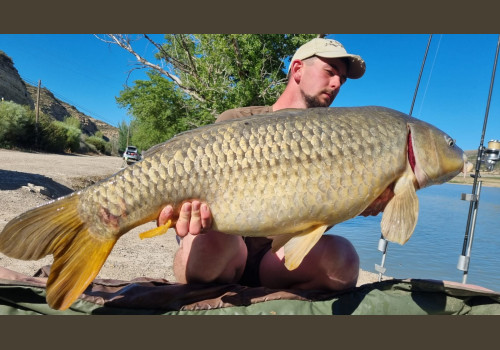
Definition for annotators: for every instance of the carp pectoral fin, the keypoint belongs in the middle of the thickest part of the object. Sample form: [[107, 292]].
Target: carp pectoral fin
[[297, 246], [56, 228], [157, 231], [279, 241], [401, 213]]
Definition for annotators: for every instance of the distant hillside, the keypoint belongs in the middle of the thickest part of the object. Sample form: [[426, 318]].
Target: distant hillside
[[58, 109], [472, 157], [13, 88]]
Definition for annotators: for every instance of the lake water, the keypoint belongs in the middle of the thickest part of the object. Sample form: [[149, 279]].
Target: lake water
[[434, 249]]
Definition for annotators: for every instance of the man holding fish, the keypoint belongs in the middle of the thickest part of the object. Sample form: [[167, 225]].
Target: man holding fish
[[288, 175], [317, 71]]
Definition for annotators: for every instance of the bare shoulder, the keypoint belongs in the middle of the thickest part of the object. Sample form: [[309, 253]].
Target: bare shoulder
[[243, 112]]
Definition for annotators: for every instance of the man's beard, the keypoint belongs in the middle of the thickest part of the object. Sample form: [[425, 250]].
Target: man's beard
[[314, 101]]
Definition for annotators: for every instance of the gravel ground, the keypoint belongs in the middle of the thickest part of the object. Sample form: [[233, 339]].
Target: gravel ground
[[28, 180]]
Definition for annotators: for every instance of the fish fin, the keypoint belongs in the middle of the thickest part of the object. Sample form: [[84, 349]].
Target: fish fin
[[56, 228], [279, 241], [401, 213], [297, 247], [77, 261], [157, 231], [34, 234]]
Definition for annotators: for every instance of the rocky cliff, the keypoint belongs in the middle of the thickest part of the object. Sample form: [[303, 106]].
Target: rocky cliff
[[13, 88]]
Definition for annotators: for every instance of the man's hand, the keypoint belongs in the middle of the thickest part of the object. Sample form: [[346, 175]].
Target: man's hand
[[193, 218]]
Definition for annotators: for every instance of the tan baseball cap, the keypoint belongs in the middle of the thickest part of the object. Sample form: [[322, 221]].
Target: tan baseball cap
[[329, 48]]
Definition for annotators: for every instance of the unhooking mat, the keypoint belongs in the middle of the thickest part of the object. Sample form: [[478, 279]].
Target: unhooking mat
[[25, 295]]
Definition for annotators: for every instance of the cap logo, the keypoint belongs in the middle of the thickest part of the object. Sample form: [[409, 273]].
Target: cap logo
[[331, 42]]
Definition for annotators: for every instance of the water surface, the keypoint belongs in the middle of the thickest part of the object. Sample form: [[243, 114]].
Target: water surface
[[433, 250]]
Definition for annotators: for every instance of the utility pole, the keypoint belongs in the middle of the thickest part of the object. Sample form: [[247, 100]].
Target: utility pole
[[37, 113]]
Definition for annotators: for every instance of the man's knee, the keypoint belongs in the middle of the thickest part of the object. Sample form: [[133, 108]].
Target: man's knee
[[332, 264], [340, 261]]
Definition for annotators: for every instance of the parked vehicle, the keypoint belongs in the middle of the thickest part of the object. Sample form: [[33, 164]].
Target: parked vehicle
[[131, 155]]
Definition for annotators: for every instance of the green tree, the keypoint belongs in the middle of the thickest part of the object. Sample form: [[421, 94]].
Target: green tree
[[157, 109], [199, 76], [123, 135]]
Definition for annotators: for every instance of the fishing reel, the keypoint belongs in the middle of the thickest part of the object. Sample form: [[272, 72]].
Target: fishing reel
[[491, 154]]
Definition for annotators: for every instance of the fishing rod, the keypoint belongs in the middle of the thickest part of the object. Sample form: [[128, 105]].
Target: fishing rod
[[383, 243], [473, 198]]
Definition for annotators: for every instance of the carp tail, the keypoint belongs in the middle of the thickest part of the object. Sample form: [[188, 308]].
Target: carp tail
[[56, 228]]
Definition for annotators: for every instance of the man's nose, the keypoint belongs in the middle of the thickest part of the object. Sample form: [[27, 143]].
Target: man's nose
[[335, 82]]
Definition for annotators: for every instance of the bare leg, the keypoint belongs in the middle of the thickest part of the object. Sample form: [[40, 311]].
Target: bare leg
[[210, 257], [332, 264]]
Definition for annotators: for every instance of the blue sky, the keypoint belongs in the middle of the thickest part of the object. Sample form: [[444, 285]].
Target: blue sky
[[453, 92]]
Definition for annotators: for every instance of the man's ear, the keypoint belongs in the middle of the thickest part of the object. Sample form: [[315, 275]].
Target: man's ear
[[296, 70]]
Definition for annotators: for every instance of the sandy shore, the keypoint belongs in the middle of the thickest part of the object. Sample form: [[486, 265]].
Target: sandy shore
[[31, 179]]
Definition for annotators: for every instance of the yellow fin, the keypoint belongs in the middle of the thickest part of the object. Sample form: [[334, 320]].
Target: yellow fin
[[77, 262], [279, 241], [56, 228], [401, 213], [157, 231], [34, 234], [297, 247]]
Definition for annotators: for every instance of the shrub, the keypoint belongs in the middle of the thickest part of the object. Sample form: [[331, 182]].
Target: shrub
[[18, 129], [72, 136], [73, 122], [17, 125], [52, 135], [101, 145]]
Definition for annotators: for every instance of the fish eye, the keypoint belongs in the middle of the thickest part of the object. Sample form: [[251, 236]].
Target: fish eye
[[449, 141]]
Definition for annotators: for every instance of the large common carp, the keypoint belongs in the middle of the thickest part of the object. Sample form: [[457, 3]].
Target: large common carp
[[289, 175]]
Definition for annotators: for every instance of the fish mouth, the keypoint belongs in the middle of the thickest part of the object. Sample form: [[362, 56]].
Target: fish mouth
[[468, 166]]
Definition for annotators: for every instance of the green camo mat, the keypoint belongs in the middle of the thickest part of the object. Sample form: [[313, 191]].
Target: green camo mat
[[26, 296]]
